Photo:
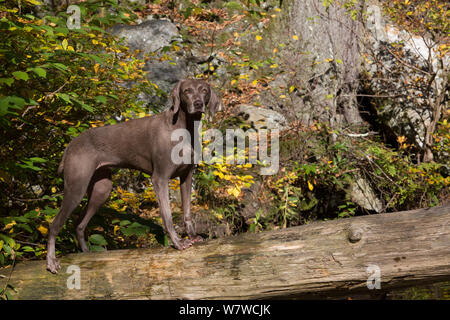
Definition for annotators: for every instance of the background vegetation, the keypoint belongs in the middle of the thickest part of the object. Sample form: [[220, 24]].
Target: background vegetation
[[56, 83]]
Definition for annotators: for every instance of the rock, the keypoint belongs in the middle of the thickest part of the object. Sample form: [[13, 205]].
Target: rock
[[37, 190], [251, 203], [148, 36], [406, 113], [363, 195], [261, 118]]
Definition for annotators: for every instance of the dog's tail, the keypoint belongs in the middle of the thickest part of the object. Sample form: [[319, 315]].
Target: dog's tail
[[61, 165]]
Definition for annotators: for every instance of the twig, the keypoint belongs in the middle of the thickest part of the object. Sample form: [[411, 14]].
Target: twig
[[36, 199], [360, 135], [29, 243]]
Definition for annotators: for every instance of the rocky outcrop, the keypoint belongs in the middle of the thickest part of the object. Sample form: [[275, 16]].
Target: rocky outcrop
[[148, 36], [404, 75]]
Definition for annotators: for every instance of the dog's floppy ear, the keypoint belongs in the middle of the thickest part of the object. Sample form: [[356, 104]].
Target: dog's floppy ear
[[214, 103], [175, 95]]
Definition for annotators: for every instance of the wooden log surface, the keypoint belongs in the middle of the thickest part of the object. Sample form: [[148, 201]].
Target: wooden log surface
[[318, 259]]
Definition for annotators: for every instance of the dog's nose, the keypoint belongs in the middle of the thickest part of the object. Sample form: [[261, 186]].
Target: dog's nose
[[198, 104]]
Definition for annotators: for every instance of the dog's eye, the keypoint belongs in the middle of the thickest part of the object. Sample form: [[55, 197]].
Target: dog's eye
[[205, 90], [188, 90]]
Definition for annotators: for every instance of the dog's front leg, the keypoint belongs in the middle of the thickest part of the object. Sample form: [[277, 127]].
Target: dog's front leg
[[186, 189], [161, 186]]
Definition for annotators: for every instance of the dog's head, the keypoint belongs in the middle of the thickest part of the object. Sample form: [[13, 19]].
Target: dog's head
[[193, 95]]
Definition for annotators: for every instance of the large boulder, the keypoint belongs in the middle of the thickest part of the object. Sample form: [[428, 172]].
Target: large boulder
[[148, 36], [403, 101]]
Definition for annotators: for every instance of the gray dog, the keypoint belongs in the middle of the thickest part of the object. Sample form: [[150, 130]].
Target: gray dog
[[143, 144]]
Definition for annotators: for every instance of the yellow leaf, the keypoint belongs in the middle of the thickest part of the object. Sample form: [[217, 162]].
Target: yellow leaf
[[295, 37], [277, 9], [310, 186], [234, 191], [255, 82], [43, 230], [275, 50], [116, 227], [258, 38], [35, 2], [236, 35], [141, 114], [96, 67], [53, 190], [273, 66], [64, 44], [9, 225], [218, 173], [291, 88], [283, 96], [233, 82], [401, 139]]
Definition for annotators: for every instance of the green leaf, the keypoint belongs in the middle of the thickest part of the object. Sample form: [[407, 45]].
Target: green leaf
[[101, 99], [37, 159], [124, 223], [8, 240], [83, 105], [8, 81], [95, 248], [64, 97], [31, 214], [25, 227], [20, 75], [10, 102], [98, 239], [40, 72], [135, 229]]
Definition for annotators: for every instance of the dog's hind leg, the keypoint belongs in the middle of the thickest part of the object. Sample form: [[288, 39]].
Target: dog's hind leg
[[77, 174], [98, 192]]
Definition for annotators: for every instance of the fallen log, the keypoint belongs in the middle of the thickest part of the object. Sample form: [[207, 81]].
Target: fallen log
[[338, 257]]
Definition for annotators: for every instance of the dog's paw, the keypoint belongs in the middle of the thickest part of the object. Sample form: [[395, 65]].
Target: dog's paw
[[183, 244], [53, 265], [196, 238]]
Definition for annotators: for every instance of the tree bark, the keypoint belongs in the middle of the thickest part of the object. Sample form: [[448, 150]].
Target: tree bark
[[329, 258]]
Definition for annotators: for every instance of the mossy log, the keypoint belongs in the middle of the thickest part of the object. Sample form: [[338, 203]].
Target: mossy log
[[319, 259]]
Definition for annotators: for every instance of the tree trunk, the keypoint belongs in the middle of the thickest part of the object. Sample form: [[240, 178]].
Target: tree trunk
[[330, 258]]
